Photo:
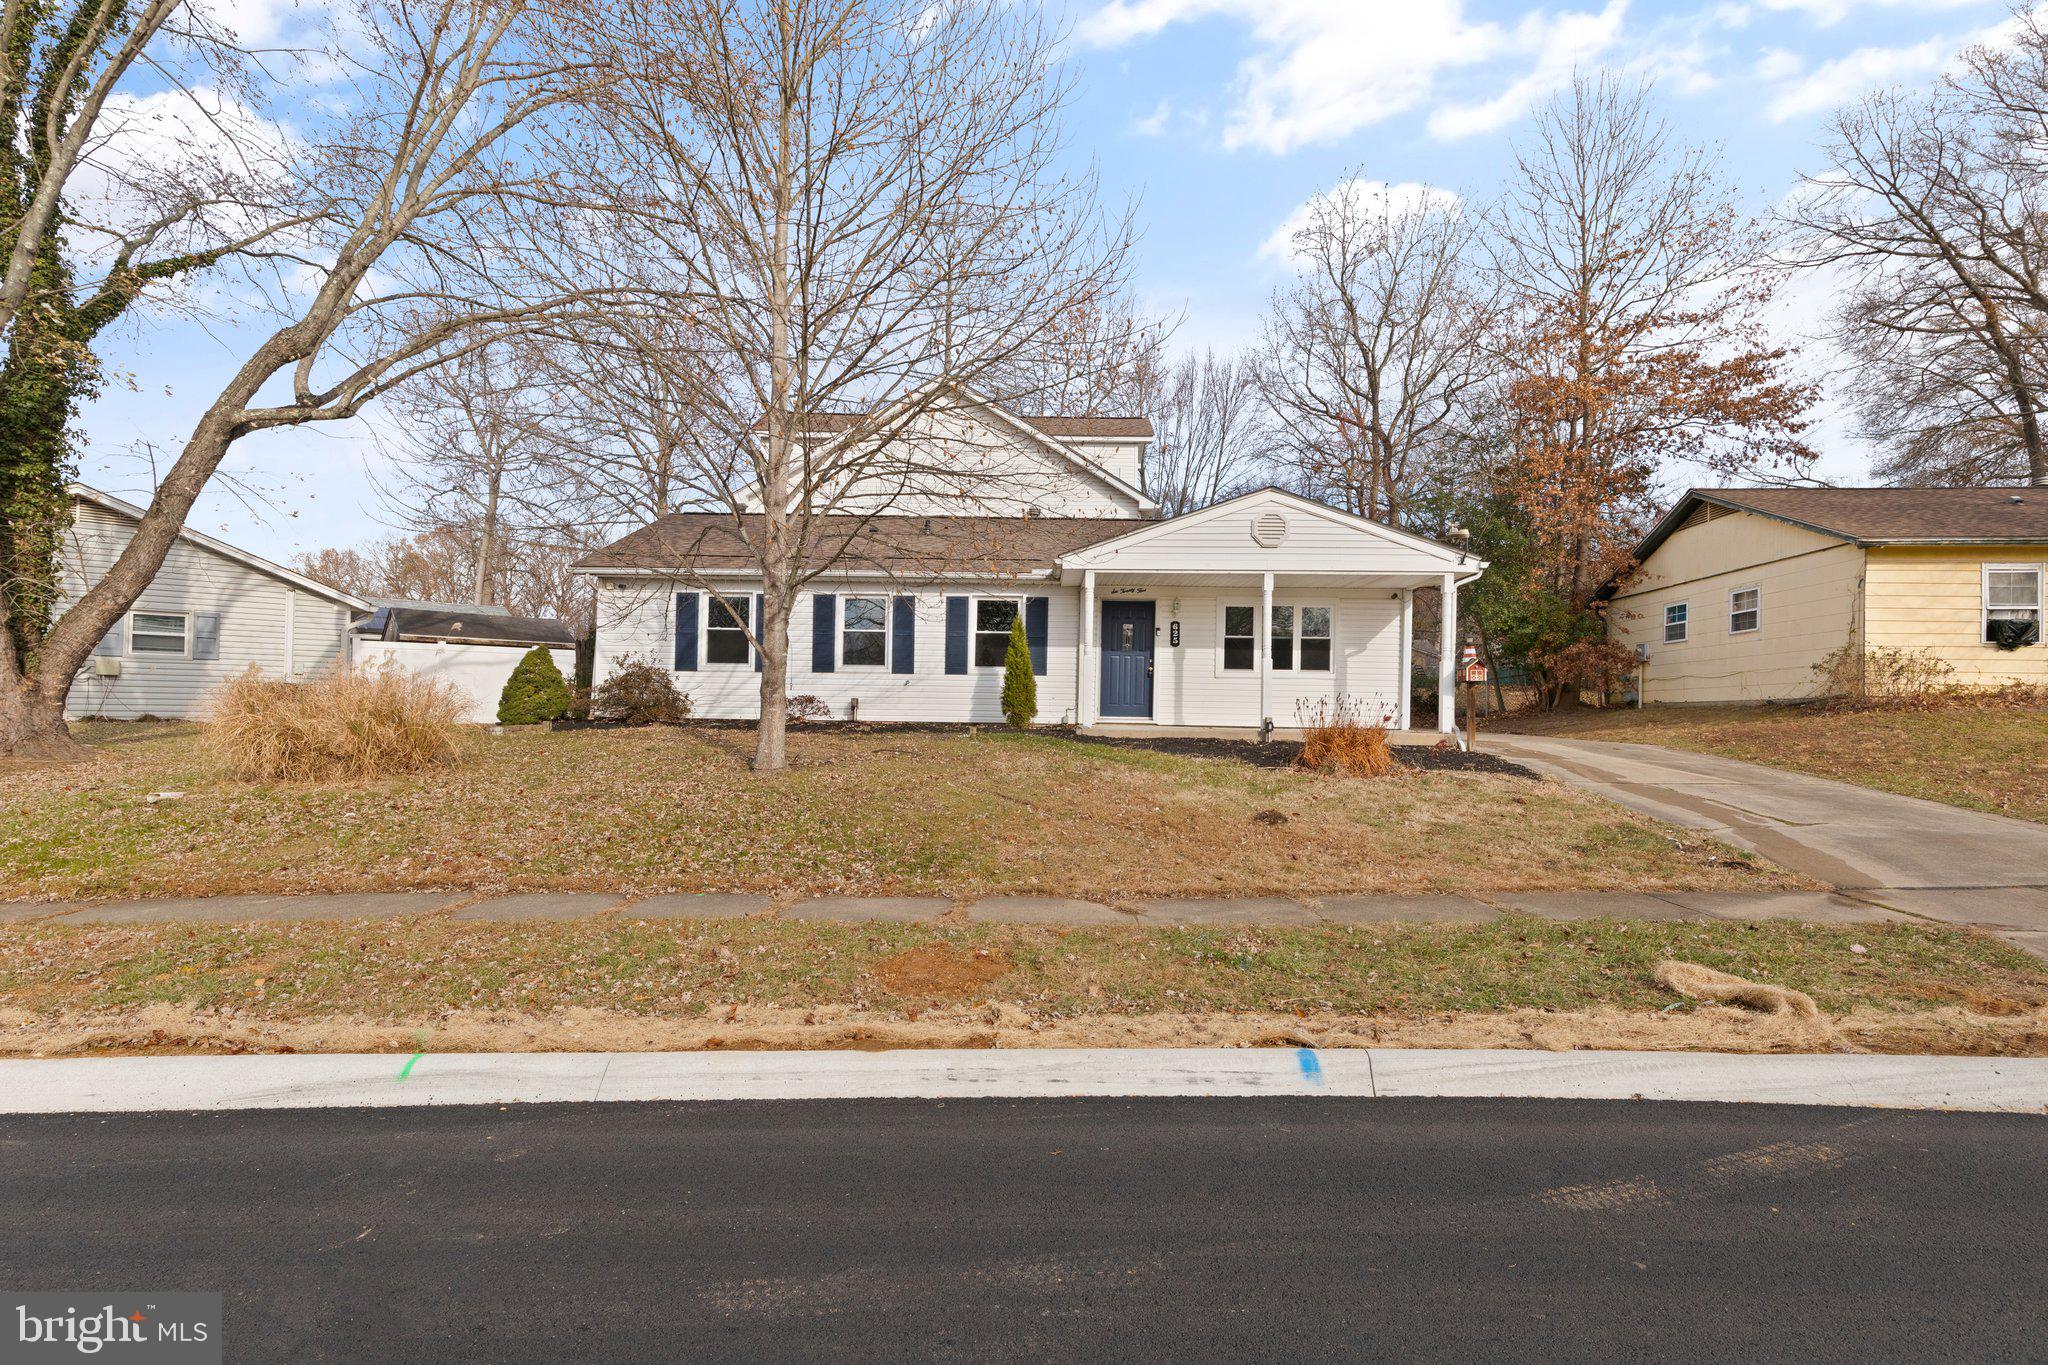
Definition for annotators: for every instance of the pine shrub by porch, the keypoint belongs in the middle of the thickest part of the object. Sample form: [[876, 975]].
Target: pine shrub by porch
[[1020, 688], [535, 692]]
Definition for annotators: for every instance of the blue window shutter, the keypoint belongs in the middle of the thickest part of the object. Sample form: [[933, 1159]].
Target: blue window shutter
[[1036, 610], [824, 631], [903, 648], [109, 646], [956, 635], [760, 615], [686, 632], [206, 635]]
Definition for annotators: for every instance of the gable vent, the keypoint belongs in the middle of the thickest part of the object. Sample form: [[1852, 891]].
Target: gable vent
[[1704, 513], [1269, 529]]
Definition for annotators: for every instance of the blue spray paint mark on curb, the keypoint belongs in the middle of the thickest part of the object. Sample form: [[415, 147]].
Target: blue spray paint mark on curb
[[1311, 1065]]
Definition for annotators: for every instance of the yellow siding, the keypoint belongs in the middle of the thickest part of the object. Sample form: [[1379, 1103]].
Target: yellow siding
[[1932, 598], [1810, 596]]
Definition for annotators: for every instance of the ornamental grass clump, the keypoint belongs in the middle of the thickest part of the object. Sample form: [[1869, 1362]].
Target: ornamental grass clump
[[352, 724], [1336, 737], [1020, 688]]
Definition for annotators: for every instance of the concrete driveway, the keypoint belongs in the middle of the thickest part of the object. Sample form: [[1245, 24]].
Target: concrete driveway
[[1915, 856]]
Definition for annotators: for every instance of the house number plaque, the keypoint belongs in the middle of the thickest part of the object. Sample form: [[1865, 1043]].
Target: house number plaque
[[1173, 634]]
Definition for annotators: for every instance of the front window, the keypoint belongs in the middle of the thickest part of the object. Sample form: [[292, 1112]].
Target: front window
[[725, 633], [156, 633], [2012, 604], [1674, 623], [1315, 639], [993, 617], [1239, 638], [863, 639], [1745, 610]]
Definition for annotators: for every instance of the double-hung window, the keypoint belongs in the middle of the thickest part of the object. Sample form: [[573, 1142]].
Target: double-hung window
[[1240, 638], [1300, 638], [1675, 623], [863, 633], [2012, 604], [152, 632], [725, 632], [993, 618], [1745, 610]]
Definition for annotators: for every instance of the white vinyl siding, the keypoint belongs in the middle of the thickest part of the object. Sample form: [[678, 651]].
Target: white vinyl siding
[[283, 630]]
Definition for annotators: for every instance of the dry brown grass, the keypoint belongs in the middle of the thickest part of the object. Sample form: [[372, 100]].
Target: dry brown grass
[[877, 813], [350, 725], [1977, 753], [447, 985], [1337, 738]]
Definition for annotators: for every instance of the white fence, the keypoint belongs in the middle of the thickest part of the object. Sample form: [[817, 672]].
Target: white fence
[[477, 671]]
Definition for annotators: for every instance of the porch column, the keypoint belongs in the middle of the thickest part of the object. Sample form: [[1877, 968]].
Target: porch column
[[1265, 646], [1084, 697], [1406, 690], [1447, 661]]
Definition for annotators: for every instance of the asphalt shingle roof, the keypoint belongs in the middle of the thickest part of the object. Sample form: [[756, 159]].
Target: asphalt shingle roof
[[705, 541], [1893, 514]]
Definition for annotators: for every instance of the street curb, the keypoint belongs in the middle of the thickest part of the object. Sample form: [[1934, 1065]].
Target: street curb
[[375, 1080]]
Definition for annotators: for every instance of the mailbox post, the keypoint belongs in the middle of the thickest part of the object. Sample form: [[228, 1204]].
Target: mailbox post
[[1472, 673]]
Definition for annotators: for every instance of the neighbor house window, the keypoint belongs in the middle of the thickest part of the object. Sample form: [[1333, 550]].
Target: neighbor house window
[[1745, 610], [993, 617], [1240, 638], [156, 633], [863, 637], [2012, 592], [725, 633], [1674, 623]]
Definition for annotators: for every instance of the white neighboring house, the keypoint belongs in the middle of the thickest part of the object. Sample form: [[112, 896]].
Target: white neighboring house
[[210, 612], [214, 610], [1133, 621]]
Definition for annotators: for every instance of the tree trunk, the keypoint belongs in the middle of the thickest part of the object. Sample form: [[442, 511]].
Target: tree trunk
[[32, 726], [771, 745]]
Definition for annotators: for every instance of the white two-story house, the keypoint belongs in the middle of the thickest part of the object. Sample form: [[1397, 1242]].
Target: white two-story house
[[1242, 616]]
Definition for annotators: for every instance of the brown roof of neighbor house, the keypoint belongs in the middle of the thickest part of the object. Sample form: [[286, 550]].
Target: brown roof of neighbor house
[[707, 541], [1129, 428], [1876, 515]]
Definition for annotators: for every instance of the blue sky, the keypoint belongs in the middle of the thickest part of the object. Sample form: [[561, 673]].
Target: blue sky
[[1221, 117]]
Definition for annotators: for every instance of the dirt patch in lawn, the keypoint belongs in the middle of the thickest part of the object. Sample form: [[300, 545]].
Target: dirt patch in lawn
[[174, 1030], [940, 969]]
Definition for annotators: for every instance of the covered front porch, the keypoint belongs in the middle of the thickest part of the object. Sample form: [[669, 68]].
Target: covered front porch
[[1252, 617]]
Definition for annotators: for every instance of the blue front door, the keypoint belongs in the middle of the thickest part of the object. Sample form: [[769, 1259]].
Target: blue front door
[[1127, 658]]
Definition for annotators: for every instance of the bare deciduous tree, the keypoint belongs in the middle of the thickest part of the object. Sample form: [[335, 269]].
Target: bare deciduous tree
[[859, 204], [1211, 433], [1933, 207], [1372, 355], [404, 259]]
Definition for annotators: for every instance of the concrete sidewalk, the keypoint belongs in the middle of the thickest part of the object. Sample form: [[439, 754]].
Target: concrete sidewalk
[[1808, 906], [358, 1080]]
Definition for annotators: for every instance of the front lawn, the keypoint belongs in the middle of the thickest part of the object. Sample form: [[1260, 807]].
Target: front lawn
[[860, 813], [442, 985], [1989, 759]]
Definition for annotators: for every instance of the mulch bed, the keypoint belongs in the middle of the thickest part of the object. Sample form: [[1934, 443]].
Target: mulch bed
[[1276, 753]]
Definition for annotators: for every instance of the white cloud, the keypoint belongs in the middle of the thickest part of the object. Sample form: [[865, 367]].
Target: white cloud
[[1776, 64], [1154, 123], [1561, 46], [1409, 196], [1322, 69], [1833, 84], [1827, 13]]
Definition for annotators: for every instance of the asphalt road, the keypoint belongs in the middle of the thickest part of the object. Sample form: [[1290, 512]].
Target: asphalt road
[[1140, 1229]]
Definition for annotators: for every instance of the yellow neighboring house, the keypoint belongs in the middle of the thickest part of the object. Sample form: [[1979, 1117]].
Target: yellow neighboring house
[[1743, 591]]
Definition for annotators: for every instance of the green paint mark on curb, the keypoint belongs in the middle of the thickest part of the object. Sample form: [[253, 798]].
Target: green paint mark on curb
[[410, 1063]]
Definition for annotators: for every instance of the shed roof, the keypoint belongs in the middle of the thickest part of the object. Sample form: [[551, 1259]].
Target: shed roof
[[480, 626]]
